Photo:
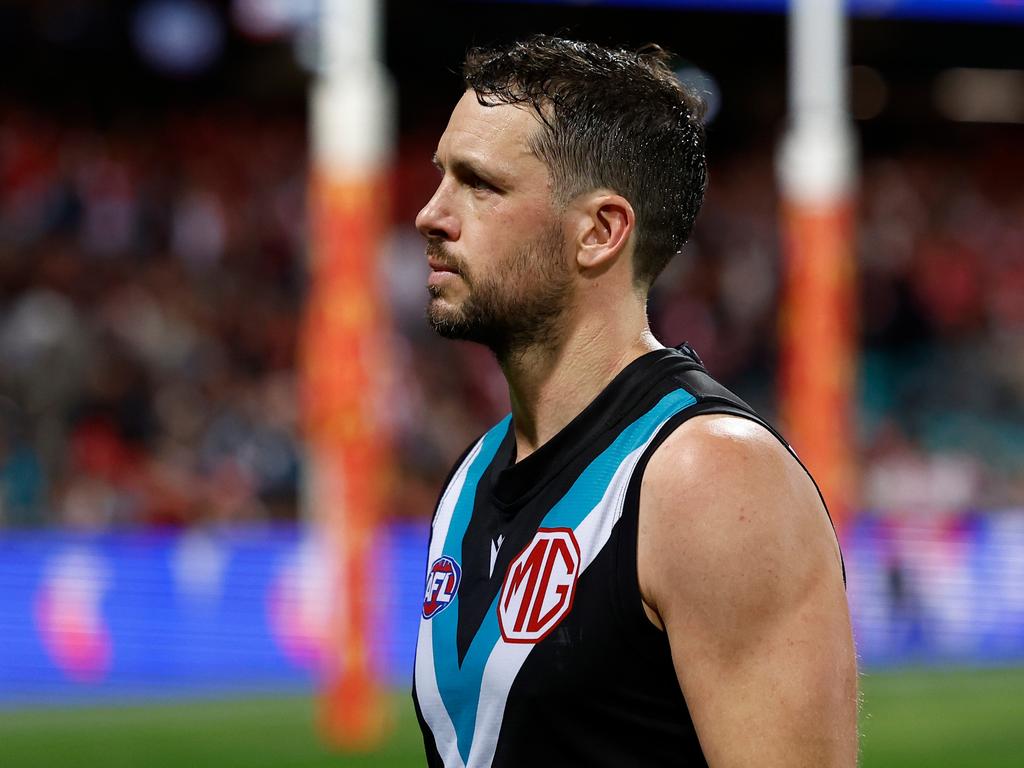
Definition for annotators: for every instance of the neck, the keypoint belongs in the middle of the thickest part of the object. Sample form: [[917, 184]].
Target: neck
[[550, 384]]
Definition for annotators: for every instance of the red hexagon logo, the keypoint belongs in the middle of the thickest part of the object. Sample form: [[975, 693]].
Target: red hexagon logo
[[539, 586]]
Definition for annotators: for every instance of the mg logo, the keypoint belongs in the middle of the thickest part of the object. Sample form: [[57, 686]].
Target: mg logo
[[442, 585], [539, 586]]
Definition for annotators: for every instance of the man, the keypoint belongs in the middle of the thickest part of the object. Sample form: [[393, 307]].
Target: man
[[631, 569]]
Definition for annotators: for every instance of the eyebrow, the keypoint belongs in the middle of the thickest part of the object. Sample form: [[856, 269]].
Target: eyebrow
[[463, 167]]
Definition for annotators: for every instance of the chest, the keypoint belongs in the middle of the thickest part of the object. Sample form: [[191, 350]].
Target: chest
[[521, 608]]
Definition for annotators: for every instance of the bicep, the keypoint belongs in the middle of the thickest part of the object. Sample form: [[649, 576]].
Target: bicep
[[745, 580], [780, 692]]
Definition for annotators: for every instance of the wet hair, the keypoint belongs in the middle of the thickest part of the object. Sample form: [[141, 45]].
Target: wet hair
[[609, 118]]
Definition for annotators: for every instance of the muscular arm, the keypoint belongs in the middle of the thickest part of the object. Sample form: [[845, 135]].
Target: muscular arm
[[738, 563]]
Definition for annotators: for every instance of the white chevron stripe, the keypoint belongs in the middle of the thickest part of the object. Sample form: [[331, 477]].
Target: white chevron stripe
[[507, 659], [427, 692], [429, 697], [446, 507]]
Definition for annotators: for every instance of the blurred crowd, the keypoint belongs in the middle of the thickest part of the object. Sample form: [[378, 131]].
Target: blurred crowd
[[151, 287], [940, 262]]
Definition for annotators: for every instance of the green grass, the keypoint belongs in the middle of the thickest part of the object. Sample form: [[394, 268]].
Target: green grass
[[938, 719], [234, 733], [941, 719]]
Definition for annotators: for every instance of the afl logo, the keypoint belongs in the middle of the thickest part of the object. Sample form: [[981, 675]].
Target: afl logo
[[442, 584], [539, 586]]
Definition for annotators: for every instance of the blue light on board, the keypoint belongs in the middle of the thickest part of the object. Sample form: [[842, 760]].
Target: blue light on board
[[144, 614], [946, 10]]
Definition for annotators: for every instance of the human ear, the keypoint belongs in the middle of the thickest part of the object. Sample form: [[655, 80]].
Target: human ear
[[606, 222]]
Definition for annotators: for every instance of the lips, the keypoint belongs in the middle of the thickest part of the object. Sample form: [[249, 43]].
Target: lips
[[439, 266]]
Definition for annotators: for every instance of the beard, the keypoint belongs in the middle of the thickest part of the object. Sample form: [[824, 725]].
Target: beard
[[517, 306]]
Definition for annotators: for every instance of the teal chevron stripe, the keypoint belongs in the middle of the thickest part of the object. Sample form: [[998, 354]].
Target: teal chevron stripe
[[445, 623], [592, 483]]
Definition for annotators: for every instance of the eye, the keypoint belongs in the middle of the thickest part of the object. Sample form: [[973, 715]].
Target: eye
[[476, 183]]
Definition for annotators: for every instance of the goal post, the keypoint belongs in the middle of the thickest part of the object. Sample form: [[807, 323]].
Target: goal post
[[345, 357], [816, 165]]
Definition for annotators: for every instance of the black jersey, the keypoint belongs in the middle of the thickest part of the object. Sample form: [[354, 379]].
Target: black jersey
[[534, 648]]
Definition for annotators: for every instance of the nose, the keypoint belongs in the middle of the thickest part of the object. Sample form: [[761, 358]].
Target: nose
[[436, 219]]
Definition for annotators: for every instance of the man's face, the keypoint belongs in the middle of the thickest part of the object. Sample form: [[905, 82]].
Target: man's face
[[500, 272]]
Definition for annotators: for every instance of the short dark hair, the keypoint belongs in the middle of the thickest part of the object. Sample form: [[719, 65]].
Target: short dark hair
[[611, 118]]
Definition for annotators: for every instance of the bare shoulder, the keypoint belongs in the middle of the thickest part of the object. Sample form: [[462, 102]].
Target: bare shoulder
[[737, 561], [725, 508]]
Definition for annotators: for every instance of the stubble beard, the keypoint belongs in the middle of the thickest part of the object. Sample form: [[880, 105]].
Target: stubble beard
[[518, 307]]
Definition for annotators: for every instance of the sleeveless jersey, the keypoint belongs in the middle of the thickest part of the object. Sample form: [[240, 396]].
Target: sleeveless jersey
[[534, 648]]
